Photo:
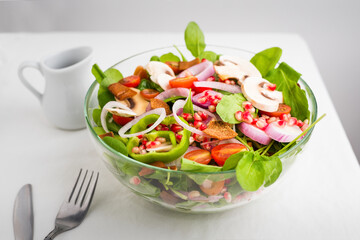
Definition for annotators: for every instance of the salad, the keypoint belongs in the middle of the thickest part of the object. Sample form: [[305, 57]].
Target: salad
[[212, 113]]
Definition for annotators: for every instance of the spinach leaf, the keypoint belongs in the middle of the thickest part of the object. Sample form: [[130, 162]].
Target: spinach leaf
[[189, 107], [194, 39], [209, 55], [96, 117], [233, 160], [148, 84], [266, 60], [98, 73], [228, 106], [173, 99], [250, 172], [289, 72], [155, 58], [169, 57], [104, 96], [112, 76], [99, 130], [273, 168], [116, 145], [293, 96], [191, 166], [182, 55]]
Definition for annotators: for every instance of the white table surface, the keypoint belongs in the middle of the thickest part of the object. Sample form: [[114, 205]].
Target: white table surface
[[318, 199]]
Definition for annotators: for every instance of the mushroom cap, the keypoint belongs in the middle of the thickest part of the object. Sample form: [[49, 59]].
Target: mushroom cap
[[255, 91], [136, 103], [156, 68]]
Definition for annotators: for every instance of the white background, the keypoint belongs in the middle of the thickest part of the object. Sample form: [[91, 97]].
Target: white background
[[331, 28]]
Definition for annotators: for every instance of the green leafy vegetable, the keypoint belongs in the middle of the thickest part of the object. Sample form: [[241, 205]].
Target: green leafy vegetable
[[272, 167], [148, 84], [155, 58], [209, 55], [233, 160], [98, 73], [173, 99], [194, 39], [116, 145], [189, 107], [293, 96], [191, 166], [228, 106], [169, 57], [266, 60], [182, 55], [112, 76], [250, 173], [290, 73]]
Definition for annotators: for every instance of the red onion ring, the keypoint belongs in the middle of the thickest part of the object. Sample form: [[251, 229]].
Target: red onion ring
[[282, 134], [202, 71], [220, 86], [180, 104], [254, 133], [110, 104], [159, 111], [172, 92]]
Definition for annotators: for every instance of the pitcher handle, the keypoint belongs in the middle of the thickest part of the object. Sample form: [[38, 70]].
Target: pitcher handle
[[29, 64]]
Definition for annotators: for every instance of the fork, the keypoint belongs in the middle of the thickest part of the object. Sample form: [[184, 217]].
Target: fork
[[75, 207]]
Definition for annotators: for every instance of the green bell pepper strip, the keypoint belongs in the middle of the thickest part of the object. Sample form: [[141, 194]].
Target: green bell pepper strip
[[178, 148]]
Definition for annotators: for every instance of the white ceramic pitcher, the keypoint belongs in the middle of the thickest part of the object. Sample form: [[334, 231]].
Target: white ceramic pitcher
[[67, 77]]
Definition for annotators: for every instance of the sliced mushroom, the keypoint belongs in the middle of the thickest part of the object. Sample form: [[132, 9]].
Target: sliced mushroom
[[121, 112], [163, 80], [156, 68], [230, 67], [136, 103], [255, 90]]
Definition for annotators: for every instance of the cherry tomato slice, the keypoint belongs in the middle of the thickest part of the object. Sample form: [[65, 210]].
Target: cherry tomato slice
[[223, 151], [283, 108], [121, 120], [185, 82], [149, 93], [200, 156], [131, 81]]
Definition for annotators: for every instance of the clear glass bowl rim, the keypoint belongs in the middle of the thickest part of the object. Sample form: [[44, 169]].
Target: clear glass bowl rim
[[131, 160]]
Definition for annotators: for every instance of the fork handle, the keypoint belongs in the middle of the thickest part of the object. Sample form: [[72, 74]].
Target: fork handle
[[56, 231]]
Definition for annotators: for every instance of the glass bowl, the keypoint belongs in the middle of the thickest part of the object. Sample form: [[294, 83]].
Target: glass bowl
[[179, 190]]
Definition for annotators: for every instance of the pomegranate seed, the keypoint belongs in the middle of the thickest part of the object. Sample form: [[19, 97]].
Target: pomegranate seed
[[272, 119], [247, 105], [187, 116], [218, 97], [135, 180], [143, 142], [215, 102], [206, 93], [198, 137], [251, 110], [202, 100], [136, 150], [232, 82], [157, 143], [197, 117], [285, 117], [292, 121], [197, 124], [212, 78], [238, 115], [299, 123], [212, 108], [304, 127], [281, 123], [306, 121], [262, 124], [254, 121], [207, 146], [202, 127], [202, 115], [178, 137], [141, 147], [165, 129], [227, 197], [176, 128], [143, 151], [158, 128], [227, 81], [247, 117], [140, 136], [148, 144], [271, 87], [265, 116]]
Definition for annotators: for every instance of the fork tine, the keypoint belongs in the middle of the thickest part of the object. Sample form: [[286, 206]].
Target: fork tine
[[73, 189], [83, 194], [86, 201], [80, 187]]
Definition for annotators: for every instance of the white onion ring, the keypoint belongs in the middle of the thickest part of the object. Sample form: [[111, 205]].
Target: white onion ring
[[111, 104], [220, 86], [202, 71], [159, 111], [180, 104]]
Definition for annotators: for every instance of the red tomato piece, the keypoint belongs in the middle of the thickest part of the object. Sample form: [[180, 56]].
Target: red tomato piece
[[200, 156], [223, 151], [131, 81], [149, 93], [121, 120], [283, 108], [185, 82]]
